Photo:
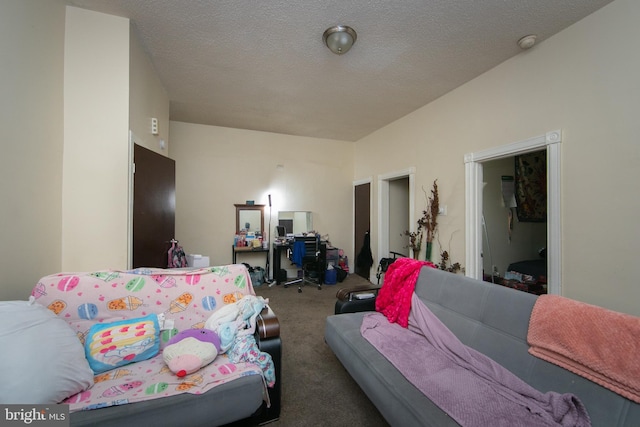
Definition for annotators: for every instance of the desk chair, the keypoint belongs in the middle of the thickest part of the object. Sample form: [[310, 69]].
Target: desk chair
[[306, 255]]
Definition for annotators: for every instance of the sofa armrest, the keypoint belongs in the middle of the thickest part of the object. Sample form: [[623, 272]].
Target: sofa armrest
[[267, 324], [267, 336], [349, 301], [347, 294]]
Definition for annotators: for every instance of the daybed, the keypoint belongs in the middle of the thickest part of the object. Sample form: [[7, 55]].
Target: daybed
[[494, 321], [241, 382]]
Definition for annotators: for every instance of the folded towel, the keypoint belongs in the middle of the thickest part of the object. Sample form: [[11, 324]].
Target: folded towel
[[596, 343]]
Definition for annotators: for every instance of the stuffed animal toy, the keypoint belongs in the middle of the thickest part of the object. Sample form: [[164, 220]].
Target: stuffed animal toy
[[191, 350]]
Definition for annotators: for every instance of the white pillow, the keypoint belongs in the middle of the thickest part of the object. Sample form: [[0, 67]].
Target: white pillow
[[41, 358]]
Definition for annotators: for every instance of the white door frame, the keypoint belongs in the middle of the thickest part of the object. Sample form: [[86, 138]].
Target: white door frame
[[473, 198], [130, 177], [383, 206]]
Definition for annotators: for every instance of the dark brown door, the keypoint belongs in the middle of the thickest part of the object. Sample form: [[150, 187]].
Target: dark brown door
[[362, 221], [154, 207]]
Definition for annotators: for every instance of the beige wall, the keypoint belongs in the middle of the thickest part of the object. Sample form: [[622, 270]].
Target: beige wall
[[31, 140], [217, 167], [147, 98], [96, 147], [102, 63], [584, 81]]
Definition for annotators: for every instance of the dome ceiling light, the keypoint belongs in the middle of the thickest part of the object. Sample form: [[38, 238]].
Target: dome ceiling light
[[339, 39]]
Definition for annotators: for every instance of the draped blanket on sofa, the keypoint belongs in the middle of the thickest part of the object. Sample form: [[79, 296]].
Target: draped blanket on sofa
[[473, 389]]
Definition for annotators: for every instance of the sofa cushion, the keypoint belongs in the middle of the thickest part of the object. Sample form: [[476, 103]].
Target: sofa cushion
[[43, 360], [111, 345]]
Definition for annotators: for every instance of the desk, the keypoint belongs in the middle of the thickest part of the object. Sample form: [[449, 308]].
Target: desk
[[277, 258], [247, 250], [278, 248]]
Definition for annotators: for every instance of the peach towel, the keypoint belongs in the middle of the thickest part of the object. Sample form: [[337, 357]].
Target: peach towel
[[596, 343]]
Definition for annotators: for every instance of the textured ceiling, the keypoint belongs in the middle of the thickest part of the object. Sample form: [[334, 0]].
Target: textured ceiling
[[262, 65]]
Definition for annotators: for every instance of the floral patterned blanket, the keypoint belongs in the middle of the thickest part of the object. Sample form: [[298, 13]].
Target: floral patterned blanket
[[181, 298]]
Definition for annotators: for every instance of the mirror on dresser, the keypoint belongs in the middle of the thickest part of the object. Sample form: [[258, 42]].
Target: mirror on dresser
[[249, 218], [296, 222]]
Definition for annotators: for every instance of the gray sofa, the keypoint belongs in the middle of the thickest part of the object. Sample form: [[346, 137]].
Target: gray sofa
[[489, 318]]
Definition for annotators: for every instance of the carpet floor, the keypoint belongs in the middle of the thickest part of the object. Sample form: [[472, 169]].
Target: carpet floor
[[316, 389]]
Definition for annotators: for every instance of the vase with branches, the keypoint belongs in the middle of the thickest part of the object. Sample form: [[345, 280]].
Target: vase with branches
[[427, 223], [446, 263], [415, 240], [430, 218]]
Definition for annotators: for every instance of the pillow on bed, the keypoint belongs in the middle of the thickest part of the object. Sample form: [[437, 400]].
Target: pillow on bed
[[42, 358], [110, 345]]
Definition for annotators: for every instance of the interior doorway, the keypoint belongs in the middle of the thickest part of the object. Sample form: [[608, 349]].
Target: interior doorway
[[399, 216], [154, 188], [474, 204], [394, 220], [514, 236], [362, 227]]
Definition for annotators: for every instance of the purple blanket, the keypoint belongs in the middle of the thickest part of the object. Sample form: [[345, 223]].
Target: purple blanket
[[470, 387]]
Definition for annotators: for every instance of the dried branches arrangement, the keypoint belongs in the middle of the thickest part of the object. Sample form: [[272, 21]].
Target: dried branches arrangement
[[415, 240], [445, 259], [428, 225], [428, 222], [430, 216]]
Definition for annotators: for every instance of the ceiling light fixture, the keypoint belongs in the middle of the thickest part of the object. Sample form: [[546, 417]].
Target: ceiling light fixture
[[339, 39], [527, 42]]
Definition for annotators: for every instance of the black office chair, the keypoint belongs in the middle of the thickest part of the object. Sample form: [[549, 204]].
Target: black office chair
[[306, 255]]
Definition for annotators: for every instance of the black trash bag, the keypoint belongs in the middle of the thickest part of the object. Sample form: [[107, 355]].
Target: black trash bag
[[341, 274]]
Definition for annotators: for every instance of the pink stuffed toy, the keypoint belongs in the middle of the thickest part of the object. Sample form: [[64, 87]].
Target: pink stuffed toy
[[191, 350]]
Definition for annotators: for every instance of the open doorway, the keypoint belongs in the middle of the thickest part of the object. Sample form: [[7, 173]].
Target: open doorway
[[514, 221], [396, 211], [474, 175], [362, 227]]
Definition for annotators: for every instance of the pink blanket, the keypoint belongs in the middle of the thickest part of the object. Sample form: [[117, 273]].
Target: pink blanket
[[394, 298], [596, 343], [470, 387]]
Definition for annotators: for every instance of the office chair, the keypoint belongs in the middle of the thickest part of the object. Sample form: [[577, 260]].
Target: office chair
[[306, 255]]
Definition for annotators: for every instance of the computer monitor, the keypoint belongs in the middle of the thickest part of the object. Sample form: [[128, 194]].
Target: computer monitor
[[281, 232]]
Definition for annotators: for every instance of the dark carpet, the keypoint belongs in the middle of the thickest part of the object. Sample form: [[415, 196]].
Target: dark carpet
[[316, 389]]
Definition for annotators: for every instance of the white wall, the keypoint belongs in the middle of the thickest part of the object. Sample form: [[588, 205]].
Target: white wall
[[96, 147], [31, 141], [217, 167], [584, 81]]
